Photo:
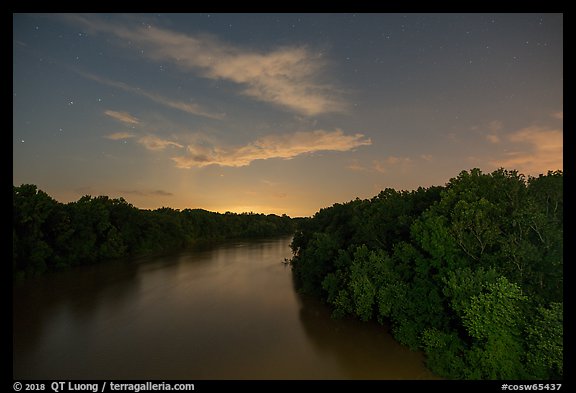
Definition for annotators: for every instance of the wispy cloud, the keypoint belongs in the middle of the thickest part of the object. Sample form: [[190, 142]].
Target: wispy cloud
[[493, 138], [271, 146], [117, 136], [355, 165], [490, 131], [152, 142], [123, 117], [389, 163], [187, 107], [558, 115], [384, 165], [536, 150], [287, 76], [269, 182], [495, 125]]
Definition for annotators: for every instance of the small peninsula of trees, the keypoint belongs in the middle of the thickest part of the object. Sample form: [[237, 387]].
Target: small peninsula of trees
[[470, 273], [48, 235]]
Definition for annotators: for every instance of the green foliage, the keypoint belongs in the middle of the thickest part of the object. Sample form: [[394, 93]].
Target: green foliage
[[445, 352], [461, 285], [407, 333], [317, 260], [499, 358], [545, 342], [362, 288], [495, 312], [48, 235], [433, 236], [493, 319], [32, 210], [471, 273]]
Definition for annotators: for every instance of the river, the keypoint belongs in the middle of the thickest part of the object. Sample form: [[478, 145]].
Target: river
[[225, 312]]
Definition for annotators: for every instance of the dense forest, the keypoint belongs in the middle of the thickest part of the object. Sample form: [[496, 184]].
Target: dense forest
[[49, 235], [471, 273]]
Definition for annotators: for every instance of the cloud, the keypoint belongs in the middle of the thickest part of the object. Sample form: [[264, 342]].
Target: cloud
[[383, 166], [490, 131], [187, 107], [391, 162], [272, 146], [495, 125], [287, 76], [119, 136], [558, 115], [537, 150], [123, 117], [269, 182], [152, 142], [356, 166], [493, 138]]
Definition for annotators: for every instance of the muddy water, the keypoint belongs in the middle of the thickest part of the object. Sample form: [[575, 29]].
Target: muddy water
[[228, 312]]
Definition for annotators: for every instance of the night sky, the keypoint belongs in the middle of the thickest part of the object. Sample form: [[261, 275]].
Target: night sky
[[280, 113]]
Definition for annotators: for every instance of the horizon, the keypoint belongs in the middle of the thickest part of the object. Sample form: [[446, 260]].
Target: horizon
[[281, 214], [208, 111]]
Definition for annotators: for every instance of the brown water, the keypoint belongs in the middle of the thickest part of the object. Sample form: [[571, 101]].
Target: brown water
[[228, 312]]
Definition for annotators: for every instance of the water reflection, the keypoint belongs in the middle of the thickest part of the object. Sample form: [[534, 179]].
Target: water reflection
[[41, 305], [226, 312], [364, 350]]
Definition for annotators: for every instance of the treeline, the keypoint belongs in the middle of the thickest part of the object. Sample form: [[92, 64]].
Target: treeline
[[470, 273], [49, 235]]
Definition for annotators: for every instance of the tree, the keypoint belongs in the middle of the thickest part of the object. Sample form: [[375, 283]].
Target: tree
[[470, 272], [493, 319], [314, 263], [48, 235], [31, 209], [545, 342]]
